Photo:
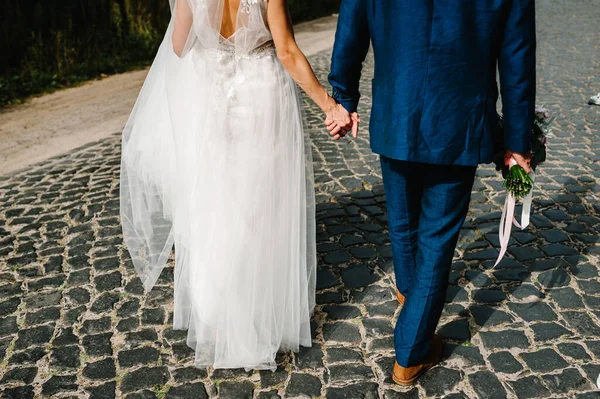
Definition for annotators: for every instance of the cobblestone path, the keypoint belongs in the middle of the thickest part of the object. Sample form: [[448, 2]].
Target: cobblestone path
[[75, 322]]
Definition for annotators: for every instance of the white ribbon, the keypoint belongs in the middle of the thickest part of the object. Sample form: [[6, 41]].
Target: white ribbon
[[508, 218]]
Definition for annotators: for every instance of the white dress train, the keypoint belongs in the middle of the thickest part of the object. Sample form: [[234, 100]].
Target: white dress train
[[215, 162]]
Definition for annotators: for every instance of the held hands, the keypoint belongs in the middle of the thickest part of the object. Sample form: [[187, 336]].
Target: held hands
[[523, 160], [340, 122], [338, 131]]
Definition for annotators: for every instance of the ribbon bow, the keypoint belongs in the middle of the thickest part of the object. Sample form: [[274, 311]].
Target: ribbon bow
[[508, 218]]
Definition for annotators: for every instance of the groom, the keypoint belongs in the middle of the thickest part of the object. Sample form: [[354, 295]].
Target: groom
[[432, 121]]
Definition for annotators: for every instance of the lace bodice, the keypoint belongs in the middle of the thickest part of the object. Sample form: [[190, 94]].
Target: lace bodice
[[245, 5]]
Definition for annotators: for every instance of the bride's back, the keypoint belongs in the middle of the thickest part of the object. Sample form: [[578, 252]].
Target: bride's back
[[229, 20], [241, 23]]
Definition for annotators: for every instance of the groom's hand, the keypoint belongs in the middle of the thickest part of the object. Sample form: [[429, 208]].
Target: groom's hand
[[355, 122], [338, 131], [523, 160]]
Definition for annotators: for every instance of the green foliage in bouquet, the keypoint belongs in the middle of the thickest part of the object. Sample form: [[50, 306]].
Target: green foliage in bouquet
[[517, 181]]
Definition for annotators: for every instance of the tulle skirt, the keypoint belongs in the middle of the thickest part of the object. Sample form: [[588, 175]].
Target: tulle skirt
[[215, 161]]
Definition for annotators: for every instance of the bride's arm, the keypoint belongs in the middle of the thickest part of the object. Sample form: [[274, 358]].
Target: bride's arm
[[297, 65], [182, 26]]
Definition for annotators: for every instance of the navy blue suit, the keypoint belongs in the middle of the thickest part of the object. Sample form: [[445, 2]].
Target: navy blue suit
[[432, 121]]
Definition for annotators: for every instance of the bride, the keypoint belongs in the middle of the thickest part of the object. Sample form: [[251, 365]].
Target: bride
[[215, 162]]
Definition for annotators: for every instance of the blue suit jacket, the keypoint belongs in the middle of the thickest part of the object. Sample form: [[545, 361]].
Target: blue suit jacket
[[435, 89]]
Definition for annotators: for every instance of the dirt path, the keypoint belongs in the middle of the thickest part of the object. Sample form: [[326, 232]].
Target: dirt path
[[53, 124]]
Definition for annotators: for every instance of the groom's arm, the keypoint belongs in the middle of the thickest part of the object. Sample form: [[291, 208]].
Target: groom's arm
[[351, 46], [516, 65]]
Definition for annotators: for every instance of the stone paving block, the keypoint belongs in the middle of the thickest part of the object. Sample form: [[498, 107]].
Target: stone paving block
[[109, 281], [505, 339], [341, 332], [270, 378], [478, 278], [29, 356], [20, 374], [311, 358], [549, 332], [187, 391], [9, 306], [469, 355], [359, 275], [34, 336], [546, 264], [343, 355], [59, 383], [376, 327], [142, 355], [587, 395], [412, 394], [558, 250], [590, 287], [144, 377], [489, 296], [440, 380], [330, 297], [104, 391], [556, 215], [105, 302], [544, 360], [533, 311], [456, 294], [385, 344], [504, 362], [529, 387], [66, 356], [42, 300], [573, 350], [488, 316], [236, 390], [487, 385], [365, 390], [382, 309], [189, 373], [523, 254], [342, 312], [100, 370], [567, 381], [350, 372], [335, 258], [582, 323], [457, 330], [268, 395], [554, 278], [566, 298], [19, 392]]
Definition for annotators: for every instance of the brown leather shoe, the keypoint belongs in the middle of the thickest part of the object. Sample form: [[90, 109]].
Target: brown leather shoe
[[400, 297], [409, 375]]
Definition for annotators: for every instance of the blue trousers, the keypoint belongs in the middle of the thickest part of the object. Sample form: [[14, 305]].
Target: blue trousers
[[427, 205]]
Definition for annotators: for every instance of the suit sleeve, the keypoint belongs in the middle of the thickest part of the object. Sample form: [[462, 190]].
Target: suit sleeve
[[516, 65], [351, 46]]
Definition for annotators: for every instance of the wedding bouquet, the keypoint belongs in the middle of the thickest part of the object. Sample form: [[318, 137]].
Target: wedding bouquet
[[517, 182]]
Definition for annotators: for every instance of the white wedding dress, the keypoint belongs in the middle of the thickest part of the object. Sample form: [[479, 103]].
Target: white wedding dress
[[215, 162]]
